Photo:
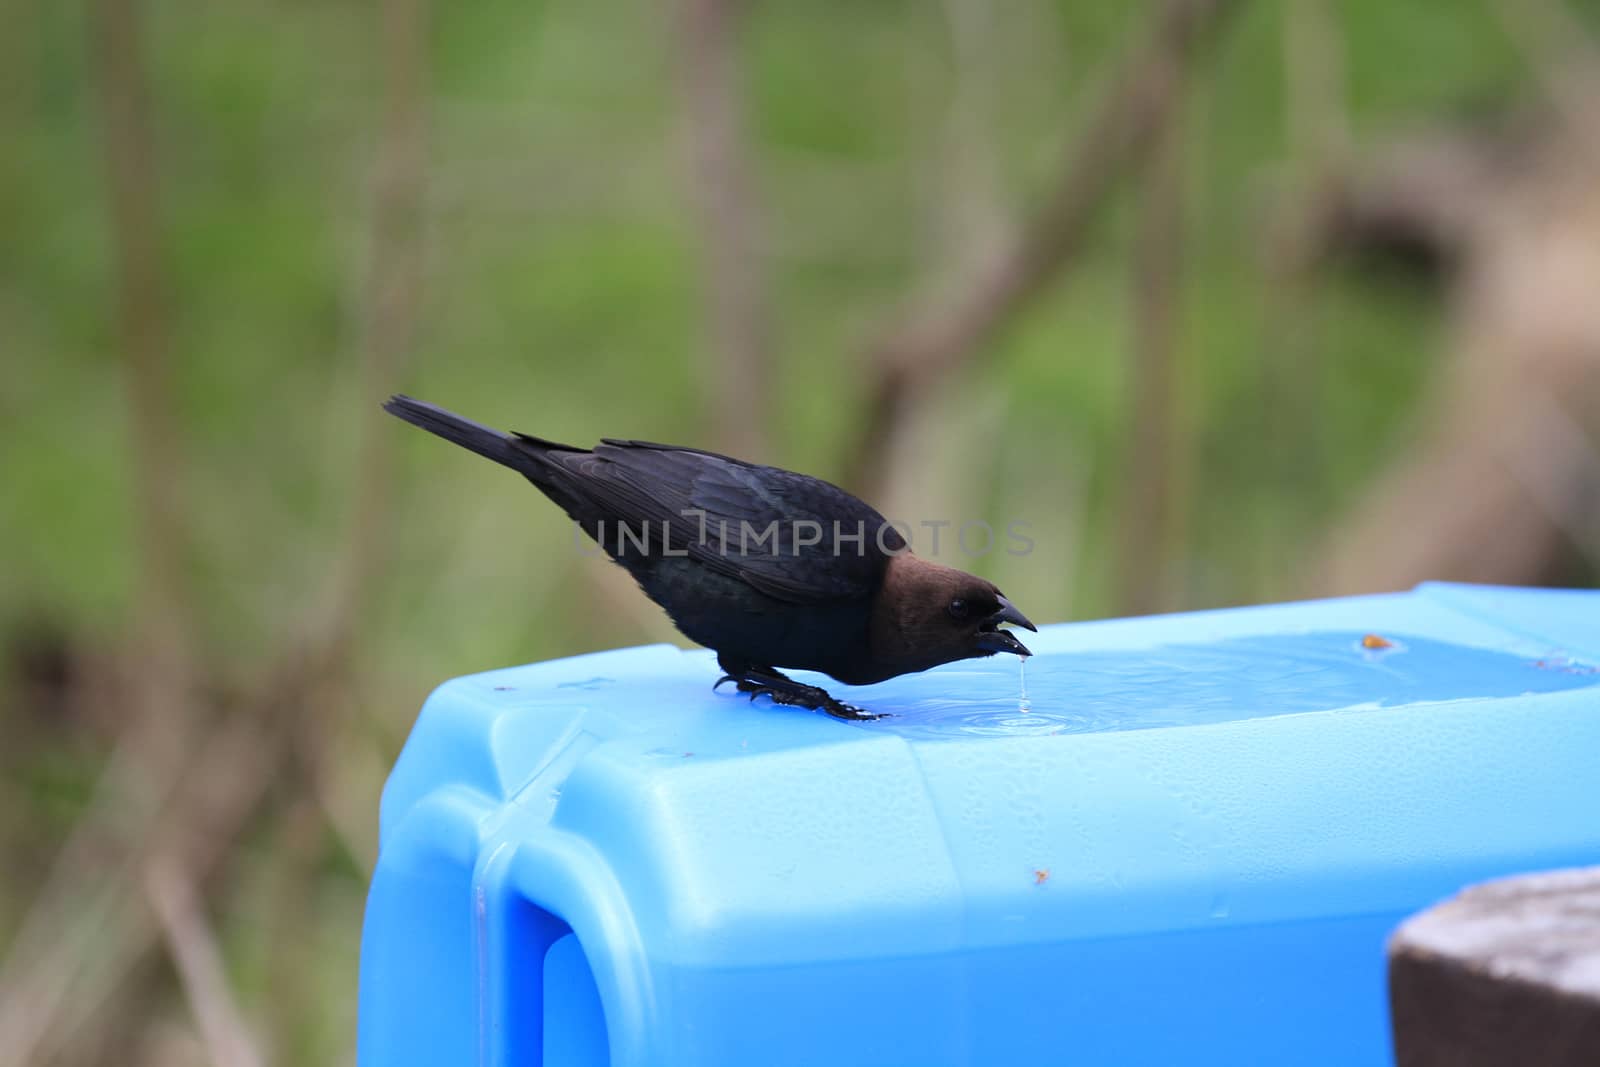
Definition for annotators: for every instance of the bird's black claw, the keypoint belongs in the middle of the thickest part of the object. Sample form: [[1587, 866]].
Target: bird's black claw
[[725, 678], [850, 713], [793, 694], [756, 689]]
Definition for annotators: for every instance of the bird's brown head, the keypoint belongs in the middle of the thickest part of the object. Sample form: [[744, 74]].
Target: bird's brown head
[[927, 614]]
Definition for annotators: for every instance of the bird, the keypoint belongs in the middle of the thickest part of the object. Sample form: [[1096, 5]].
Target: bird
[[771, 569]]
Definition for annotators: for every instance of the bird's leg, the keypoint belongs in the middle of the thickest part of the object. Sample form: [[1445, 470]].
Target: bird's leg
[[766, 681], [785, 690]]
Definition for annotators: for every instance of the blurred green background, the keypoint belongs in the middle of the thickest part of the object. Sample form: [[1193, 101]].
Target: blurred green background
[[231, 229]]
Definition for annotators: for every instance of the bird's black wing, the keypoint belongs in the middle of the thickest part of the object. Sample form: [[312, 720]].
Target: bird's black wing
[[744, 520]]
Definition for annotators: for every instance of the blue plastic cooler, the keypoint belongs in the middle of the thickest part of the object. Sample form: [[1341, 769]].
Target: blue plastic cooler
[[1185, 844]]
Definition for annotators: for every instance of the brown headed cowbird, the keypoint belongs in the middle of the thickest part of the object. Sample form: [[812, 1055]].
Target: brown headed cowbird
[[766, 567]]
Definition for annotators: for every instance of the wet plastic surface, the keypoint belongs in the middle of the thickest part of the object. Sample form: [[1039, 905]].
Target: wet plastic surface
[[1186, 844]]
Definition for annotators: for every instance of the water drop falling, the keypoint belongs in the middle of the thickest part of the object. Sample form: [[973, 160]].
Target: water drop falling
[[1023, 704]]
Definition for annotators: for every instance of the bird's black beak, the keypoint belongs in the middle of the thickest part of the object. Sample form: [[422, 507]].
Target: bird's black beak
[[993, 639]]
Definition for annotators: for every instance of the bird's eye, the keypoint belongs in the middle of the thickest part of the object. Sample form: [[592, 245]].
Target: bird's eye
[[958, 608]]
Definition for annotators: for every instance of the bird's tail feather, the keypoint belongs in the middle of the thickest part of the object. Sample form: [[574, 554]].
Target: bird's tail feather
[[500, 447]]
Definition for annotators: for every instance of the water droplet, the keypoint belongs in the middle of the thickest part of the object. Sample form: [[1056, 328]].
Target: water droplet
[[588, 683]]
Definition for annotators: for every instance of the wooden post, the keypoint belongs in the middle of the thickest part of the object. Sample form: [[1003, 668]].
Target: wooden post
[[1507, 972]]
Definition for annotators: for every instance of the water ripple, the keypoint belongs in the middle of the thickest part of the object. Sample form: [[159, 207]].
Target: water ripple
[[1178, 685]]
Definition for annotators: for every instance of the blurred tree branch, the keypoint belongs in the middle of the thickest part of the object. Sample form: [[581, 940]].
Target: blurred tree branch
[[739, 378], [1502, 484], [1155, 399], [1289, 419], [198, 961], [52, 989], [967, 220], [1563, 57], [1498, 487], [160, 666], [971, 219], [391, 305], [947, 331], [201, 795]]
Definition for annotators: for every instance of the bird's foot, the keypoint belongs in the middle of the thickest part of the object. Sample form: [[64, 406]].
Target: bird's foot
[[784, 690], [810, 697]]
